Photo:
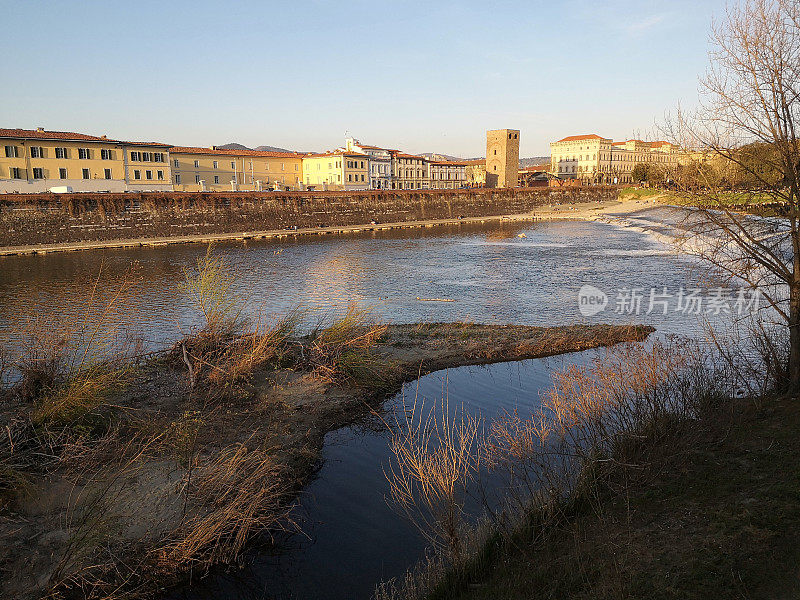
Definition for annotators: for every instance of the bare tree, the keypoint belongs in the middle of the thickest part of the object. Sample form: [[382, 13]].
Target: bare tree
[[746, 136]]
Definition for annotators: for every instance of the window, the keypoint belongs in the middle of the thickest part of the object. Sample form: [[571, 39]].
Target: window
[[495, 152], [158, 157], [197, 164], [105, 154], [233, 165], [197, 178], [216, 178], [137, 174], [107, 173], [216, 164], [177, 178], [62, 173], [61, 153], [37, 152], [283, 166], [362, 165], [148, 174], [86, 174], [136, 156], [84, 153], [175, 163], [160, 175], [350, 177], [147, 157], [12, 152], [362, 178], [38, 172], [296, 167], [15, 172]]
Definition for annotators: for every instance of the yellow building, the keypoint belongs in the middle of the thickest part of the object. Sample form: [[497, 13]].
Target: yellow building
[[475, 173], [595, 159], [215, 169], [336, 170], [39, 160]]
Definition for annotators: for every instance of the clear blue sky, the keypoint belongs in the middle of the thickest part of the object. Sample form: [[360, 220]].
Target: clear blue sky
[[421, 76]]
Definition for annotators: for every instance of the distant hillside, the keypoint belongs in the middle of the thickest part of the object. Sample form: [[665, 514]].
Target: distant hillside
[[534, 160], [235, 146], [271, 149]]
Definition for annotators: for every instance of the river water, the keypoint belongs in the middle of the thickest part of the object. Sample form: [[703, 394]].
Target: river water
[[500, 273]]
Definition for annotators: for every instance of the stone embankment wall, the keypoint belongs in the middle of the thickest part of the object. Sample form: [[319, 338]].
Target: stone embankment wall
[[31, 219]]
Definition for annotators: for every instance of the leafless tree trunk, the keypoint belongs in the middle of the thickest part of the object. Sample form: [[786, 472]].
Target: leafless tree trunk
[[745, 131]]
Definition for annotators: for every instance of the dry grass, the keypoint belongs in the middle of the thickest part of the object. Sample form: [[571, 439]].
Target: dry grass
[[67, 368], [228, 348], [436, 454], [343, 351], [239, 492]]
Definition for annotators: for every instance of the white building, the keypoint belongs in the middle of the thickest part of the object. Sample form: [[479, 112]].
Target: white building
[[596, 159]]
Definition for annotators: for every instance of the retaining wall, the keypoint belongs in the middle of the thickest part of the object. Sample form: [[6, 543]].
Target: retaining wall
[[30, 219]]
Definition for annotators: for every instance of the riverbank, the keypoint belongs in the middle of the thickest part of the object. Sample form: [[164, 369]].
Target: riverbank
[[180, 464], [73, 221], [573, 211], [716, 517]]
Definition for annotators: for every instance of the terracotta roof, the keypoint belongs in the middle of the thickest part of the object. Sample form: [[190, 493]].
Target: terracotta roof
[[231, 152], [36, 134], [575, 138], [479, 161], [147, 144], [335, 153], [659, 144], [403, 155], [451, 163]]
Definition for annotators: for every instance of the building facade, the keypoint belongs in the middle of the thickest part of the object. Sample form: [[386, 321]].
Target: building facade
[[409, 172], [475, 173], [380, 163], [502, 158], [447, 175], [595, 159], [336, 170], [38, 160], [215, 169]]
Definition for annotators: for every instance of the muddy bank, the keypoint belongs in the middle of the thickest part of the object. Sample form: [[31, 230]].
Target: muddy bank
[[165, 478]]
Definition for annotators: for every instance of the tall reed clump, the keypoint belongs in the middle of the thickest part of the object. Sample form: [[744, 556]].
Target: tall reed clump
[[69, 366], [344, 351], [228, 347], [620, 412], [436, 454]]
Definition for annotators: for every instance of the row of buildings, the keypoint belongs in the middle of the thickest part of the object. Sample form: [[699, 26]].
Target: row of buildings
[[40, 160]]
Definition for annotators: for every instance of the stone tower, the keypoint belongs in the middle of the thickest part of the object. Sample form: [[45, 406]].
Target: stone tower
[[502, 158]]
